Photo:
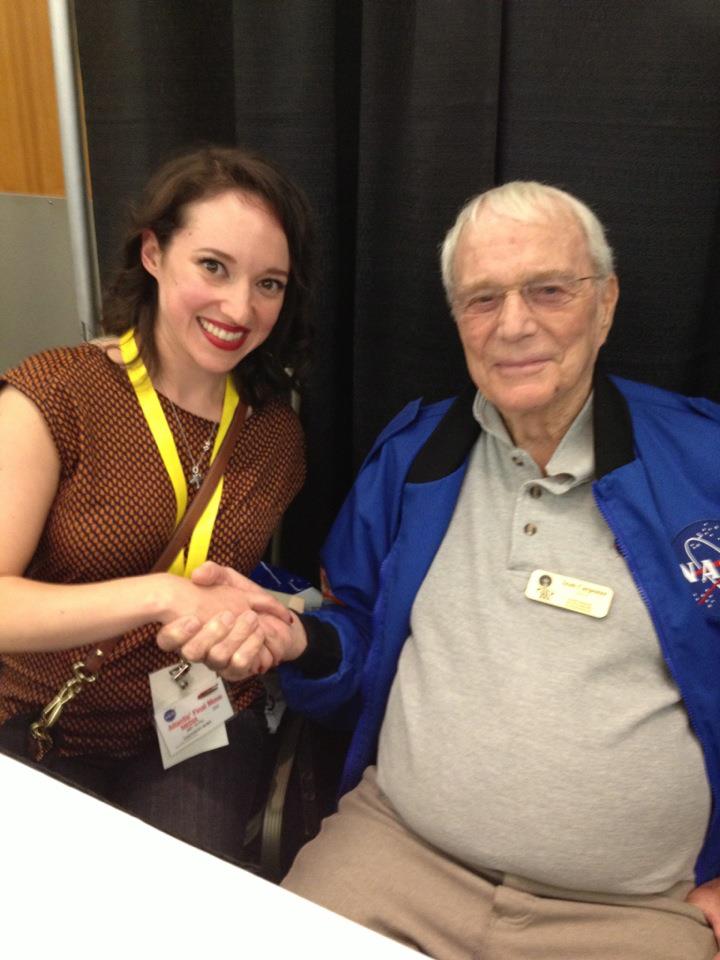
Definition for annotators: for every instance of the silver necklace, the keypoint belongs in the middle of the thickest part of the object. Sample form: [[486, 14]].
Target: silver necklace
[[196, 477]]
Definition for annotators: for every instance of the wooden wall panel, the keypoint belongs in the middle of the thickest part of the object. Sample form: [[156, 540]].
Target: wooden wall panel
[[31, 158]]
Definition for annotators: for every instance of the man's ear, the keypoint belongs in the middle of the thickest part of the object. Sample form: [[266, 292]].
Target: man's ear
[[150, 252], [608, 302]]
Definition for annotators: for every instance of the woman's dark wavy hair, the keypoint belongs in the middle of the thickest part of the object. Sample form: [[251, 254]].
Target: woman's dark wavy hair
[[131, 297]]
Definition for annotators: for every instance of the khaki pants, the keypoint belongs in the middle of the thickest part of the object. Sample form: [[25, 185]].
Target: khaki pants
[[367, 866]]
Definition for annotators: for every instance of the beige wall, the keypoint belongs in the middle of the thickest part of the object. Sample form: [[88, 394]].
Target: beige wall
[[37, 299]]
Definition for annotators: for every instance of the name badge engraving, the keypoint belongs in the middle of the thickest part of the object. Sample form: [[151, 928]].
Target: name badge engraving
[[569, 593]]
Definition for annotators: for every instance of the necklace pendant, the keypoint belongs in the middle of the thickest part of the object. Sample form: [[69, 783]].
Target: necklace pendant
[[196, 477]]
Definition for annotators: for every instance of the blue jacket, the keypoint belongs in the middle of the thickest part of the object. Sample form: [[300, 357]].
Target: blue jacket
[[657, 463]]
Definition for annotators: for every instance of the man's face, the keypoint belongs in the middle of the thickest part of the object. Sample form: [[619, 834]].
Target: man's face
[[530, 359]]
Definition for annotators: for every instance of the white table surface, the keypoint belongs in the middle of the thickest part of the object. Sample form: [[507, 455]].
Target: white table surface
[[80, 879]]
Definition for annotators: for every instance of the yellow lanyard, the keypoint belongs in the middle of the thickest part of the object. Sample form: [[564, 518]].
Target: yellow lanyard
[[157, 422]]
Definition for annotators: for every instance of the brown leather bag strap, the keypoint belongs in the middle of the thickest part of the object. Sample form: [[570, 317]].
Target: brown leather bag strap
[[184, 529]]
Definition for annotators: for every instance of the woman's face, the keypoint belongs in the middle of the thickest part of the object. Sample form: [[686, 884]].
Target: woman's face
[[221, 282]]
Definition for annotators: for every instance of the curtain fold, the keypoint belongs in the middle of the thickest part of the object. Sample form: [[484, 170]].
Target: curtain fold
[[156, 76], [427, 141], [296, 100]]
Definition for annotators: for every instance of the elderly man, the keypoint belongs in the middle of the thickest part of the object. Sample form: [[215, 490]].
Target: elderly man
[[526, 633]]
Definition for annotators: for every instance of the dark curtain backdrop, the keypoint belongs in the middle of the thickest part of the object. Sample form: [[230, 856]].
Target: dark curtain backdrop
[[391, 113]]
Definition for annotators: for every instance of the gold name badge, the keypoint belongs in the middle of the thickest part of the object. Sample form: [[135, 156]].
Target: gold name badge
[[569, 593]]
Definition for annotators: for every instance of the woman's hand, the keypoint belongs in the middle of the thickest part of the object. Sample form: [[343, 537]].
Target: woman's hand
[[213, 589]]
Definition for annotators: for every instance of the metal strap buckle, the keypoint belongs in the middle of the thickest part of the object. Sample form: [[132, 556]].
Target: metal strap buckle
[[52, 711], [179, 671]]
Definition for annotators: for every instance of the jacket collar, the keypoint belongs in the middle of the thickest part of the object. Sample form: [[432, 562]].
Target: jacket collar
[[612, 427], [450, 443]]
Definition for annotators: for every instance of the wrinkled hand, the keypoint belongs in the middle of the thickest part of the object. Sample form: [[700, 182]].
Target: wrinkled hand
[[707, 899], [230, 644], [236, 645]]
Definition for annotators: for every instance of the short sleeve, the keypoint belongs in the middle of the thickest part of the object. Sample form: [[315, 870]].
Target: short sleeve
[[47, 379]]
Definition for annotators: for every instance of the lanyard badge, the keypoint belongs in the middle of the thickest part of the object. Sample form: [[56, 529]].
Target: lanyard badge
[[157, 422]]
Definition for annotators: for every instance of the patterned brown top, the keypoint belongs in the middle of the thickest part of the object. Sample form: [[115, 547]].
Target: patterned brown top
[[114, 512]]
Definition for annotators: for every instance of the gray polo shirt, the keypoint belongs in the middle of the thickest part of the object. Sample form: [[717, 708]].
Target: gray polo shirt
[[533, 740]]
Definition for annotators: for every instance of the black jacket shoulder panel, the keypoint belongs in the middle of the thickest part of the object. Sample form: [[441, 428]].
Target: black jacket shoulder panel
[[612, 427], [449, 444]]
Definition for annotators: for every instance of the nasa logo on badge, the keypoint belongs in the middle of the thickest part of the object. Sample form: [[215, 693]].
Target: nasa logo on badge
[[697, 548]]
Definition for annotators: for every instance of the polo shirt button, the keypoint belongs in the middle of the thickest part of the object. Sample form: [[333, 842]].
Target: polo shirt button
[[517, 460], [530, 529], [535, 491]]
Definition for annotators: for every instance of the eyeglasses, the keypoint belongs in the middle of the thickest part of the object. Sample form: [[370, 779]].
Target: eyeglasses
[[548, 295]]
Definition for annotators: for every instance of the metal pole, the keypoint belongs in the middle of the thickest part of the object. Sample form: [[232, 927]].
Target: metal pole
[[82, 226]]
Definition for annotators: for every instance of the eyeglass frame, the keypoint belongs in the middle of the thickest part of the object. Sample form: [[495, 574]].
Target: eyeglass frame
[[522, 288]]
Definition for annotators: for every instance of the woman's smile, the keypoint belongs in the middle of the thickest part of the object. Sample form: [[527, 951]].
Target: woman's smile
[[223, 335]]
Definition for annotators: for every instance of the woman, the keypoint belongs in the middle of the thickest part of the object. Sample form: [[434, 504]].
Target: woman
[[209, 309]]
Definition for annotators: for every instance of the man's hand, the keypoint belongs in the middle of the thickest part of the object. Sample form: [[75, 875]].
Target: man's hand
[[707, 899], [230, 644]]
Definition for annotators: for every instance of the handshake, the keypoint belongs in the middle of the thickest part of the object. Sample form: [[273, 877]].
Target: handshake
[[232, 625]]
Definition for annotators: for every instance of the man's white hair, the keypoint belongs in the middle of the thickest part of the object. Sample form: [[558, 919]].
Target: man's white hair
[[529, 202]]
